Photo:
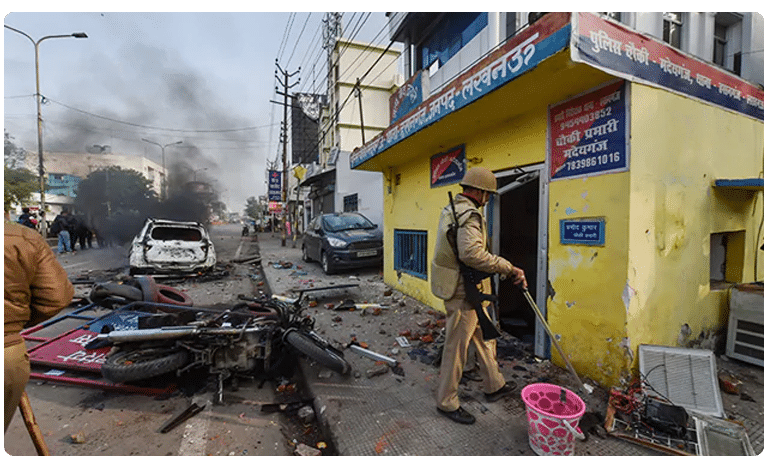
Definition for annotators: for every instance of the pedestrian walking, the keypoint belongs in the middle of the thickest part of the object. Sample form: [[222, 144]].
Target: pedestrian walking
[[36, 287], [468, 247], [59, 227]]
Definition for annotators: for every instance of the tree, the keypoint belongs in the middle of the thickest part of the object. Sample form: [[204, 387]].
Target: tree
[[253, 209], [18, 186], [18, 183], [115, 202], [115, 189]]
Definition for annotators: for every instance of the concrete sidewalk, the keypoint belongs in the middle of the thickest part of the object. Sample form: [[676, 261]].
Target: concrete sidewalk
[[390, 414]]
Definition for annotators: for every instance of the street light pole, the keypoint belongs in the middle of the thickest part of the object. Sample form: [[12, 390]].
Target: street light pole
[[164, 184], [38, 98]]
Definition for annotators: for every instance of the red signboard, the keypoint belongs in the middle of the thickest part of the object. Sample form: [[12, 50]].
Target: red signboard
[[68, 352], [448, 167]]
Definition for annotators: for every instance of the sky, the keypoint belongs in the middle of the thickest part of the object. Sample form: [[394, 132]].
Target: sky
[[206, 79]]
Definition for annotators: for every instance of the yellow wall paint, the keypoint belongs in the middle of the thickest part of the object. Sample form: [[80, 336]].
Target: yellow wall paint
[[588, 309], [652, 276], [413, 204], [678, 147]]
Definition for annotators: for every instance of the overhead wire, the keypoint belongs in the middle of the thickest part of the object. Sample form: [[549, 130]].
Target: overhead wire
[[308, 55], [351, 95], [116, 132], [303, 28], [178, 130], [287, 30]]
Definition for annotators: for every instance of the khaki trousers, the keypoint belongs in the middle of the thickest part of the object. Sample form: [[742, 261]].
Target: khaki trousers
[[17, 373], [462, 329]]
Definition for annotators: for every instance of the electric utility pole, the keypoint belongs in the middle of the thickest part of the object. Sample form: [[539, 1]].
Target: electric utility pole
[[287, 86]]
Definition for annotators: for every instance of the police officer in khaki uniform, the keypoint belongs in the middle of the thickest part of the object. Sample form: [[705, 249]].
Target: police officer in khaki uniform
[[447, 283], [36, 288]]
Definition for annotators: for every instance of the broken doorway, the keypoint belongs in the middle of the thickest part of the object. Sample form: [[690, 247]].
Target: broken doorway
[[517, 234]]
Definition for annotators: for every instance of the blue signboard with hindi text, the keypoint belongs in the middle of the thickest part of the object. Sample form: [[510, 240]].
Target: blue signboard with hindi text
[[274, 186], [582, 231]]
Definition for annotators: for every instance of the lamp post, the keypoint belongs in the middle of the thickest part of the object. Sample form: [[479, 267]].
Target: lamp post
[[164, 185], [38, 97]]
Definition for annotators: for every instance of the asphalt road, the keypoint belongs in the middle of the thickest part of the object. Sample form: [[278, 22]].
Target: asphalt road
[[77, 420]]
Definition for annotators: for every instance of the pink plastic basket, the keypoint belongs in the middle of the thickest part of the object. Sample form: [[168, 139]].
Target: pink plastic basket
[[552, 423]]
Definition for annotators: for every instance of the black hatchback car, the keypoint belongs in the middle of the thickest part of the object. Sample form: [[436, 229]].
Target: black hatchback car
[[342, 240]]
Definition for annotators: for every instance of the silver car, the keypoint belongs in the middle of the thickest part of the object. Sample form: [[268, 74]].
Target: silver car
[[165, 246]]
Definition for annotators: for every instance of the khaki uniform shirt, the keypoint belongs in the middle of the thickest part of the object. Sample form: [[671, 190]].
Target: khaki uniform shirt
[[36, 286], [446, 280]]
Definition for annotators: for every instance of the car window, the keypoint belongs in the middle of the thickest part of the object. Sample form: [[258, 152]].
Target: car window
[[169, 233], [343, 222]]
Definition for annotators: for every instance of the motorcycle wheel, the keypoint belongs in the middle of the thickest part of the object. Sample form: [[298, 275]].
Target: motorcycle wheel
[[139, 364], [327, 357]]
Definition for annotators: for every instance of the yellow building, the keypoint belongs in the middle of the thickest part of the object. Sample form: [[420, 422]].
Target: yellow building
[[630, 186]]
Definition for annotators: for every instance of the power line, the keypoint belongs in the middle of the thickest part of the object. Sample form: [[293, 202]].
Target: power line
[[113, 132], [225, 130], [303, 28], [287, 29]]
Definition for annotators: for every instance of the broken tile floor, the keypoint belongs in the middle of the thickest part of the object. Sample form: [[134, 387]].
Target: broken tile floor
[[377, 412]]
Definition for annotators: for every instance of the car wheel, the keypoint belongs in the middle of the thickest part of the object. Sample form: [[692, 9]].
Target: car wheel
[[327, 263]]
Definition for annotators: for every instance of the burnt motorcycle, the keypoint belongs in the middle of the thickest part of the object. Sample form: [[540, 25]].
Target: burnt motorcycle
[[256, 337]]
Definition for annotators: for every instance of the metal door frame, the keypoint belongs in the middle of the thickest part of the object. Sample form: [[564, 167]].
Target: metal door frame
[[541, 343]]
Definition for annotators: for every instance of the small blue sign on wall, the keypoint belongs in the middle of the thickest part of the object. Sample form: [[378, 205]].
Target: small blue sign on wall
[[582, 231]]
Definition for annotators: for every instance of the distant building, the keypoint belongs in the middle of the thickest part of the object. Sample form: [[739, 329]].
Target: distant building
[[345, 124], [65, 170]]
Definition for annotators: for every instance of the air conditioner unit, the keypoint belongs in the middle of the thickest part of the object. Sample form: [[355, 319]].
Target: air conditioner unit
[[745, 340]]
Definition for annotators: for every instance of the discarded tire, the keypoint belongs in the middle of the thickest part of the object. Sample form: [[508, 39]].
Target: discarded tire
[[140, 364], [169, 295], [115, 293], [327, 357], [148, 287]]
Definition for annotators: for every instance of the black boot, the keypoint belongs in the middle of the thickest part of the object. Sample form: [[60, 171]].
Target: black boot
[[460, 416], [508, 388]]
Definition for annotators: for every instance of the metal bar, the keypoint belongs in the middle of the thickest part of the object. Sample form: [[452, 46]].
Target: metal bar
[[372, 355], [56, 319], [188, 412], [554, 341], [101, 384]]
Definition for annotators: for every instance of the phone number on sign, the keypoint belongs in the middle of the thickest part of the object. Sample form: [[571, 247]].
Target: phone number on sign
[[593, 161]]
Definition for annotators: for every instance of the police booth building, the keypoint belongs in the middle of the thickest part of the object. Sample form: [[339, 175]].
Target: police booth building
[[630, 171]]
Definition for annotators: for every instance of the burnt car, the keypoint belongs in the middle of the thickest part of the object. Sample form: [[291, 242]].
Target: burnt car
[[342, 240], [171, 247]]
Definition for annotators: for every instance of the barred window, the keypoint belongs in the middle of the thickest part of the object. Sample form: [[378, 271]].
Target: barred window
[[673, 28], [411, 252], [351, 202]]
